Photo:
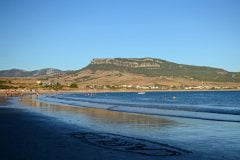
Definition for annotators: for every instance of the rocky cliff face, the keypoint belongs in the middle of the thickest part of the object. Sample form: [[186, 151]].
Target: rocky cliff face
[[130, 62], [152, 67]]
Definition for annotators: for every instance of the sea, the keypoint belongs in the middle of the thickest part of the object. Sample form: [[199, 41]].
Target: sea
[[218, 106], [205, 123]]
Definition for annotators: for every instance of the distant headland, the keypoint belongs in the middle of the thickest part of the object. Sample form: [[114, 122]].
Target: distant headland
[[123, 74]]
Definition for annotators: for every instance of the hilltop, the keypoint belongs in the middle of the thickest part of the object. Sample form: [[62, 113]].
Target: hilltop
[[152, 67], [149, 73]]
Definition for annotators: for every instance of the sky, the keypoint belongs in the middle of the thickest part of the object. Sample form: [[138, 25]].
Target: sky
[[67, 34]]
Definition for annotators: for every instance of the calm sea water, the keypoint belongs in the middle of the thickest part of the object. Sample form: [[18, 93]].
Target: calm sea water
[[221, 106], [205, 123]]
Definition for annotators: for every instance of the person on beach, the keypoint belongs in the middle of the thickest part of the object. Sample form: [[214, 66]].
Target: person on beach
[[37, 93], [6, 93], [21, 93]]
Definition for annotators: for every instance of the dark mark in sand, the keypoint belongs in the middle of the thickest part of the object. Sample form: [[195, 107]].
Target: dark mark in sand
[[129, 144]]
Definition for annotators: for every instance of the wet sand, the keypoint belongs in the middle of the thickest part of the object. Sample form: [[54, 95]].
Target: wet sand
[[32, 129], [27, 135]]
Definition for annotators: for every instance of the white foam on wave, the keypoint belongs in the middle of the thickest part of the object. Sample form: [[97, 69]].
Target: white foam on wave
[[144, 110]]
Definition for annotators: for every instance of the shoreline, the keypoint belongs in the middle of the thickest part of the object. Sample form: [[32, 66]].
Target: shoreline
[[30, 135], [27, 136], [27, 92], [136, 91], [164, 113], [46, 133]]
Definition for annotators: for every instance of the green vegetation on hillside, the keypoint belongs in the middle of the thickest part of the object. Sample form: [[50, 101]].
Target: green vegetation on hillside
[[73, 85], [167, 69], [4, 84]]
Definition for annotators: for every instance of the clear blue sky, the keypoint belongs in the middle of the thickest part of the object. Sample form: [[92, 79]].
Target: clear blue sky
[[67, 34]]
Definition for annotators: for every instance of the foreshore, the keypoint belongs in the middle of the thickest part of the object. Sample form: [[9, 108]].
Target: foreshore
[[31, 129], [27, 135]]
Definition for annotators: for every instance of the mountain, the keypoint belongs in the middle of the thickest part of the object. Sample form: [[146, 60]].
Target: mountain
[[128, 74], [152, 67], [131, 69], [35, 73]]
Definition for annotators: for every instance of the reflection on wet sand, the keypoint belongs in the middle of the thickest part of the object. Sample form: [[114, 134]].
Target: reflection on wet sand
[[98, 115], [3, 100]]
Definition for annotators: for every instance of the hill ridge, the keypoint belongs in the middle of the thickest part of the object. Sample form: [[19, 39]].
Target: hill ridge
[[154, 67], [24, 73]]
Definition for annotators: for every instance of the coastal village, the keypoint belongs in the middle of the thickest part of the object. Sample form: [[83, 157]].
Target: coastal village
[[31, 86]]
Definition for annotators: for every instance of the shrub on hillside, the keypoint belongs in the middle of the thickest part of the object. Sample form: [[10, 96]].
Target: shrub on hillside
[[73, 85]]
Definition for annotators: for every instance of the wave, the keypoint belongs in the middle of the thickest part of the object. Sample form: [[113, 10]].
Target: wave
[[228, 114]]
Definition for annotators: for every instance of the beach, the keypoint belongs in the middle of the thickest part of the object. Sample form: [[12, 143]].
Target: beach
[[27, 135], [34, 129]]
